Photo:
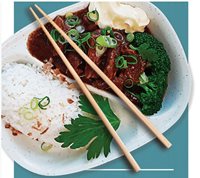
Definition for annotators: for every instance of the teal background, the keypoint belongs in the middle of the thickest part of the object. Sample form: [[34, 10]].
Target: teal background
[[152, 155]]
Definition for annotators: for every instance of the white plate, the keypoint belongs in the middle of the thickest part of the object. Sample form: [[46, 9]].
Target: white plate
[[27, 152]]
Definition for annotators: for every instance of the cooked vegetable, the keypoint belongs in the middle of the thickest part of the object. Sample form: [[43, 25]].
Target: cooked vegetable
[[153, 51], [72, 21], [93, 16], [122, 63], [62, 40], [118, 36], [44, 102], [26, 113], [128, 83], [85, 37], [130, 37], [143, 78], [94, 43], [107, 31], [34, 104], [100, 50], [46, 146], [89, 129], [73, 34], [106, 41], [153, 83], [55, 34]]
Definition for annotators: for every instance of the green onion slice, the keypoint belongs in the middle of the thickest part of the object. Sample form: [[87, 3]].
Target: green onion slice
[[73, 34], [133, 59], [78, 42], [55, 34], [22, 110], [85, 37], [118, 36], [34, 104], [62, 40], [143, 78], [90, 46], [72, 21], [128, 83], [130, 37], [93, 16], [107, 31], [46, 146], [120, 62], [106, 41], [44, 102], [132, 47], [100, 50], [28, 115]]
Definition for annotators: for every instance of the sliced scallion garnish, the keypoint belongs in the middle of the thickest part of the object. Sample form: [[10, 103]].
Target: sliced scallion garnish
[[130, 37], [122, 63], [46, 146], [72, 21], [85, 37], [128, 83], [106, 41], [55, 34], [107, 31], [132, 57], [100, 50], [118, 36], [93, 16], [143, 78], [34, 104], [132, 47], [62, 40], [73, 34], [44, 102], [91, 46], [28, 115]]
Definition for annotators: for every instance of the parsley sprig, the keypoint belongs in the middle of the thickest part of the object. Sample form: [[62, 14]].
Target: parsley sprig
[[88, 130]]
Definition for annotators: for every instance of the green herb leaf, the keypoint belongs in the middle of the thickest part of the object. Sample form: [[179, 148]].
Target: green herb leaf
[[90, 132]]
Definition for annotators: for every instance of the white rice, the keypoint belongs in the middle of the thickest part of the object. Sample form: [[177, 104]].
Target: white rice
[[20, 83]]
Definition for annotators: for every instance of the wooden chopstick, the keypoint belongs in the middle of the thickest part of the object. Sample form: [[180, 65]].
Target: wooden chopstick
[[85, 90], [133, 108]]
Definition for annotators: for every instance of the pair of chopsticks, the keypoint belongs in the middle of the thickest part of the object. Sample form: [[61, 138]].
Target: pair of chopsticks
[[85, 90]]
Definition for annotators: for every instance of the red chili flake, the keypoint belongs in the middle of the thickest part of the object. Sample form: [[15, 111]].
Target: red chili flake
[[44, 131], [29, 134], [63, 118], [39, 124], [7, 125], [15, 132], [70, 101]]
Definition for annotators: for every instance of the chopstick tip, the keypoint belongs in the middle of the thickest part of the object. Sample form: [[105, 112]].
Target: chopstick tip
[[30, 8], [36, 5]]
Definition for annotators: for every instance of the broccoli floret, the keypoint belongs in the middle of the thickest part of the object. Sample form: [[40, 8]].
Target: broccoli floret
[[153, 50], [154, 84]]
